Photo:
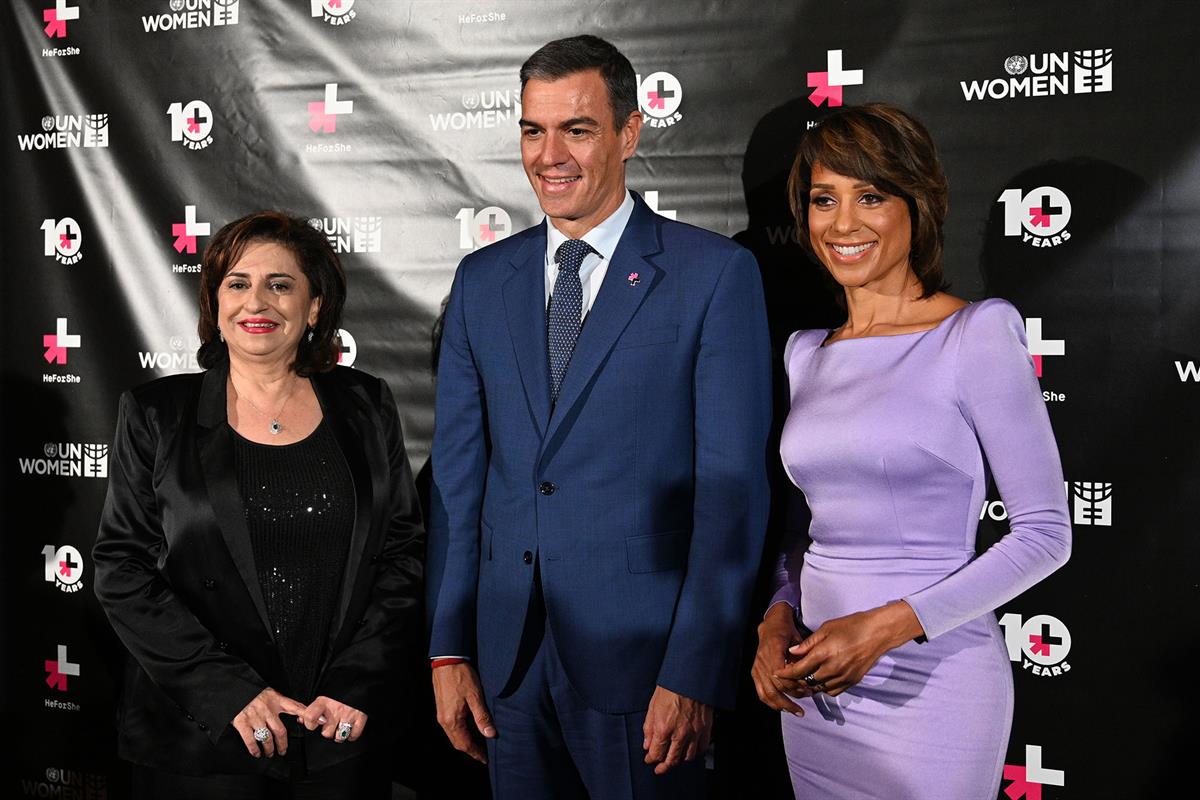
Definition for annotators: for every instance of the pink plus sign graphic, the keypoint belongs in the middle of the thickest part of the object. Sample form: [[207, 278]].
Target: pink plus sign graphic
[[56, 343], [58, 669], [1039, 347], [185, 232], [322, 115], [1020, 787], [827, 86], [56, 19], [1028, 780], [318, 120]]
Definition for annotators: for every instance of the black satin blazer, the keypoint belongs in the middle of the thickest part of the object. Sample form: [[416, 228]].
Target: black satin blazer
[[175, 573]]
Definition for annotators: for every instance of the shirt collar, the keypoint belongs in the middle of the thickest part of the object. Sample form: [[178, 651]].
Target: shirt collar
[[603, 238]]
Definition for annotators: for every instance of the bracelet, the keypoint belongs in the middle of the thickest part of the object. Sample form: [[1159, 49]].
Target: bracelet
[[445, 662]]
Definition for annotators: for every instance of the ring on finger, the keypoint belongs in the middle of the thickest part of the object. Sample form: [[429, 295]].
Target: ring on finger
[[811, 680], [261, 735], [343, 729]]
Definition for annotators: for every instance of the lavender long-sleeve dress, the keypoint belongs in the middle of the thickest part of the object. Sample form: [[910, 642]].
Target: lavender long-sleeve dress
[[891, 439]]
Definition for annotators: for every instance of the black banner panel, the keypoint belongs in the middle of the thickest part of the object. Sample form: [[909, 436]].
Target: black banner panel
[[134, 129]]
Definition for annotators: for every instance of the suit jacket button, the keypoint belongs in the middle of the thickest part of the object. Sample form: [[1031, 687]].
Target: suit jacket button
[[223, 647], [191, 718], [202, 726], [547, 488], [209, 583], [374, 559], [528, 557]]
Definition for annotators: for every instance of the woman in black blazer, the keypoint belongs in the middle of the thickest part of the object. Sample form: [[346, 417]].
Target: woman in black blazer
[[260, 548]]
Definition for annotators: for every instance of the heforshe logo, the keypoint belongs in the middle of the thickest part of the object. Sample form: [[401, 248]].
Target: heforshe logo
[[1039, 345], [659, 97], [1039, 644], [59, 669], [323, 114], [63, 567], [58, 343], [827, 85], [186, 232], [335, 12], [63, 240], [348, 349], [483, 227], [56, 19], [1039, 217], [191, 124], [1028, 779]]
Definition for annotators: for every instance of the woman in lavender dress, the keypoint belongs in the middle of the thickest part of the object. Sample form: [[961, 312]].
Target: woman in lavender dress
[[903, 688]]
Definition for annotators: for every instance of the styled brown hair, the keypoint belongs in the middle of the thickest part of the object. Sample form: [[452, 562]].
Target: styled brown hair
[[887, 147], [317, 261]]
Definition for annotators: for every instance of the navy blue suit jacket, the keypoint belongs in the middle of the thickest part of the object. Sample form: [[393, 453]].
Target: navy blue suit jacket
[[641, 495]]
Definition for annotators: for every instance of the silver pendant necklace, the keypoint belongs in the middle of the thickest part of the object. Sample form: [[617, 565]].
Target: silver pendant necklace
[[274, 426]]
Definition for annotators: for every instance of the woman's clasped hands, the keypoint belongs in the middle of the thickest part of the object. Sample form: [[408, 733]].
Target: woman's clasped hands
[[833, 658], [264, 733]]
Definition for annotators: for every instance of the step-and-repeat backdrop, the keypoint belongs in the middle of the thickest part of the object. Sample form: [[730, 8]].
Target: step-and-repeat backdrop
[[133, 130]]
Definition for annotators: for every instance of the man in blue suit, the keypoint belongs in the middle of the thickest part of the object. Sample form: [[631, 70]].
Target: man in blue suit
[[599, 466]]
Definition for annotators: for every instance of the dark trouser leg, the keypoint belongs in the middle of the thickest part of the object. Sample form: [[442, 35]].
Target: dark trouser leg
[[607, 748], [528, 759]]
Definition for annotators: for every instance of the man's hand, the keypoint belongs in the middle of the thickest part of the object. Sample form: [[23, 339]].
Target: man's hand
[[776, 633], [461, 710], [676, 729]]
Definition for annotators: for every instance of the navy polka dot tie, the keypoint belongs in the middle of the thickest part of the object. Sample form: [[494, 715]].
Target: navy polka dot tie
[[566, 309]]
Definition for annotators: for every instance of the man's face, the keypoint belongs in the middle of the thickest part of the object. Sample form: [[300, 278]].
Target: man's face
[[573, 156]]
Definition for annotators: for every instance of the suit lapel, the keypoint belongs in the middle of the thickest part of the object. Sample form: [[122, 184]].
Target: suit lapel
[[345, 419], [525, 309], [617, 301], [215, 445]]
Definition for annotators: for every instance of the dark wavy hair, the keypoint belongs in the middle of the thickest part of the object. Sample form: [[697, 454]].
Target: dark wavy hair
[[318, 262], [885, 146], [564, 57]]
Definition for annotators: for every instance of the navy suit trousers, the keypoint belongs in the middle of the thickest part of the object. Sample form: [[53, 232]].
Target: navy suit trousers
[[550, 744]]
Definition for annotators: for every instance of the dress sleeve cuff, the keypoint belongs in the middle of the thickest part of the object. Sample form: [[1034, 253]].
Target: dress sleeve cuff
[[788, 593]]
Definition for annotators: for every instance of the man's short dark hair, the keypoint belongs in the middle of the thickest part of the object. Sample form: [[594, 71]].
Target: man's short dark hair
[[564, 57]]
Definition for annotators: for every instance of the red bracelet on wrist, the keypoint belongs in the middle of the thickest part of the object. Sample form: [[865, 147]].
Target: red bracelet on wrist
[[445, 662]]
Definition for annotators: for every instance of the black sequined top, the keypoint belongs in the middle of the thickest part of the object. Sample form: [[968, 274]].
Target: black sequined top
[[299, 505]]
